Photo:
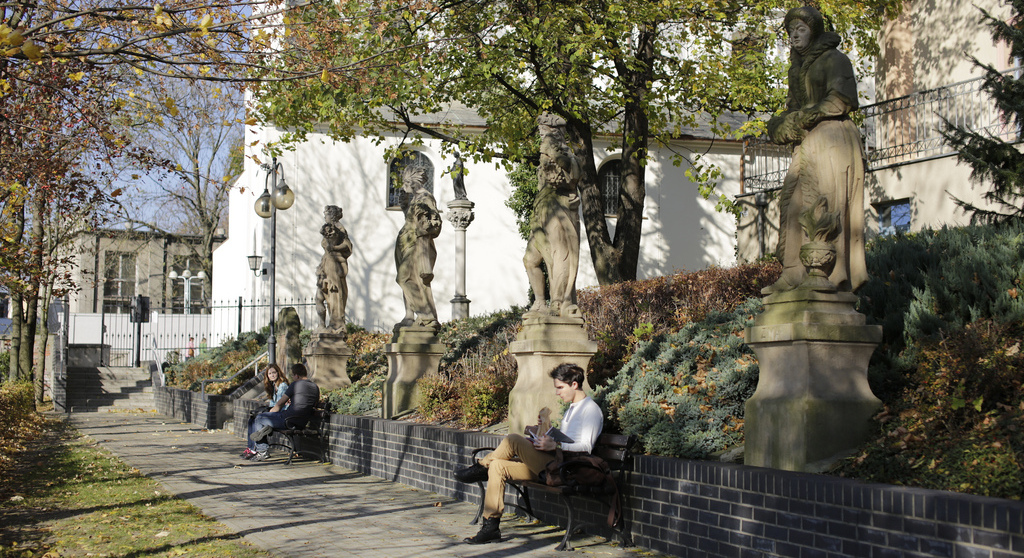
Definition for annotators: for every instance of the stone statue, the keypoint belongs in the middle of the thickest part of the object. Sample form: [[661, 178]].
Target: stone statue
[[458, 180], [822, 197], [415, 253], [332, 273], [555, 224]]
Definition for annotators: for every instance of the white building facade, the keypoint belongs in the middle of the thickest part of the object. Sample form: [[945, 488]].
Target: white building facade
[[681, 230]]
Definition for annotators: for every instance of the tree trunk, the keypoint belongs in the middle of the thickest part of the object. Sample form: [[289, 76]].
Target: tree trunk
[[16, 304], [39, 371]]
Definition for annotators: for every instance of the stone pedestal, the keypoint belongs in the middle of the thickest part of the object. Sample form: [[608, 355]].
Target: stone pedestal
[[413, 352], [812, 404], [327, 357], [543, 344]]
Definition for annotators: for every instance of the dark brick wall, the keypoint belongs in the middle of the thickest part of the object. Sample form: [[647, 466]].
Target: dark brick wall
[[711, 510], [189, 406]]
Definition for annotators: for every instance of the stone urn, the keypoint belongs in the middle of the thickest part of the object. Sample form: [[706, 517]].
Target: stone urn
[[819, 258]]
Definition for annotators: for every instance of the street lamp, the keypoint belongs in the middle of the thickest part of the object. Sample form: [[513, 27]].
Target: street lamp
[[187, 278], [266, 206]]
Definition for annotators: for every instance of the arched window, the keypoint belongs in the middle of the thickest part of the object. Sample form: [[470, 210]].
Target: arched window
[[609, 179], [398, 164]]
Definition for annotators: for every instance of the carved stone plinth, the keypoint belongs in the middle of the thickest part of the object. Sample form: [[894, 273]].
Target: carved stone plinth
[[327, 357], [413, 352], [812, 404], [543, 344]]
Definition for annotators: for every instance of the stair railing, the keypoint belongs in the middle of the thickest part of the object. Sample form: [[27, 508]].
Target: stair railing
[[254, 364]]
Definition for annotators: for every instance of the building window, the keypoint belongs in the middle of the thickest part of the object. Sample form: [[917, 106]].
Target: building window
[[893, 217], [610, 180], [118, 281], [398, 164]]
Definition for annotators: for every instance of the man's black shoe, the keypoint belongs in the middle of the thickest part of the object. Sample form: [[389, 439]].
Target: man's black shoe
[[474, 473], [489, 532]]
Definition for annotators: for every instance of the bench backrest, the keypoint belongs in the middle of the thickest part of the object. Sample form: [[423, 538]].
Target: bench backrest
[[615, 450]]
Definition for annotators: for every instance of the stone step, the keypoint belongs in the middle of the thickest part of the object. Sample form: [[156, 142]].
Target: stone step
[[119, 393], [107, 409], [110, 372], [107, 385], [107, 403]]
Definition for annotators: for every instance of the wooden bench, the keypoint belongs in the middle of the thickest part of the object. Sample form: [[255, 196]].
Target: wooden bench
[[615, 450], [318, 428]]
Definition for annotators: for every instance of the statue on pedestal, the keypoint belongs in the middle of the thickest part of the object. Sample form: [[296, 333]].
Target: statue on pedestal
[[415, 253], [332, 273], [555, 225], [822, 198]]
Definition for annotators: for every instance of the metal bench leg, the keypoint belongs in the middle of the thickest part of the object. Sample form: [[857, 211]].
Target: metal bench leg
[[480, 508], [570, 526]]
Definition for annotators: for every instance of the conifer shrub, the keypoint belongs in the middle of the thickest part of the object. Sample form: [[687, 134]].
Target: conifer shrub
[[621, 316], [683, 392], [959, 424], [933, 283]]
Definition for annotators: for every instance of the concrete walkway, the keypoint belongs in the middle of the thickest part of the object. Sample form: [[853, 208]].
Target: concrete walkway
[[313, 509]]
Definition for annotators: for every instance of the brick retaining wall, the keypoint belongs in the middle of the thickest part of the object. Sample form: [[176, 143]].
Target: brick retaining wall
[[709, 509], [189, 406]]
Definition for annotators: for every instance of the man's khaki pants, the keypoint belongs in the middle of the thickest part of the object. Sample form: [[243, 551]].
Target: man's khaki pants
[[501, 468]]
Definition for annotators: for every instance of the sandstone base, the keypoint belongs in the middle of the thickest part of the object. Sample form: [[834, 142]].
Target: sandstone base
[[812, 404], [413, 352], [327, 357], [543, 344]]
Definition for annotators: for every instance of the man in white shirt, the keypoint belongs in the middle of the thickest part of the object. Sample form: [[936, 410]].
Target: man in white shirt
[[518, 458]]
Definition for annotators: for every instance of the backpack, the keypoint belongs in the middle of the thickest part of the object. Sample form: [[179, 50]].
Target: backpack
[[584, 474]]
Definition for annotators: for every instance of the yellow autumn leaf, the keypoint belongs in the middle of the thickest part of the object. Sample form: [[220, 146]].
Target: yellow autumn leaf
[[158, 9], [169, 103], [206, 22], [32, 51], [15, 38], [250, 121], [77, 76], [324, 76]]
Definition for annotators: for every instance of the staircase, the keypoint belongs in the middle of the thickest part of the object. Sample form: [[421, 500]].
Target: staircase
[[109, 388]]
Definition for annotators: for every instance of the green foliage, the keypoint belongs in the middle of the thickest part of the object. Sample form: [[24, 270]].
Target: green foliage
[[959, 424], [622, 315], [217, 362], [476, 374], [933, 283], [368, 370], [524, 191], [5, 364], [683, 392], [993, 159]]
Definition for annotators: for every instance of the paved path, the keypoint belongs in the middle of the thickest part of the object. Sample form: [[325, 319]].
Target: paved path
[[313, 509]]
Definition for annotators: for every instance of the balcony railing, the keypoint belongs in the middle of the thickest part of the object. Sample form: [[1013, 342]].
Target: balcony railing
[[896, 132]]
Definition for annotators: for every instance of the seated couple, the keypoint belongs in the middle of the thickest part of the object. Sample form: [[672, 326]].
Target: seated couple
[[298, 399], [518, 458]]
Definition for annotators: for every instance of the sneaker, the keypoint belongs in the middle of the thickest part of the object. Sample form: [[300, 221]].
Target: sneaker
[[260, 456], [262, 432], [247, 454], [474, 473]]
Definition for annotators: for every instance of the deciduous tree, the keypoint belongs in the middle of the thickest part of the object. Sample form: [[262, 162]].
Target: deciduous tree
[[641, 71]]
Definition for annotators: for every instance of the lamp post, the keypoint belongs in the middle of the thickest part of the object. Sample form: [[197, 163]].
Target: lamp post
[[187, 278], [266, 206]]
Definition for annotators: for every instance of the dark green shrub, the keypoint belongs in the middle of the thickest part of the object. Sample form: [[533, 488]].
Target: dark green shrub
[[932, 283], [683, 392], [18, 419], [959, 424], [5, 364]]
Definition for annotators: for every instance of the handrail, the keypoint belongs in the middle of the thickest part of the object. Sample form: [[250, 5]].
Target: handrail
[[254, 363]]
